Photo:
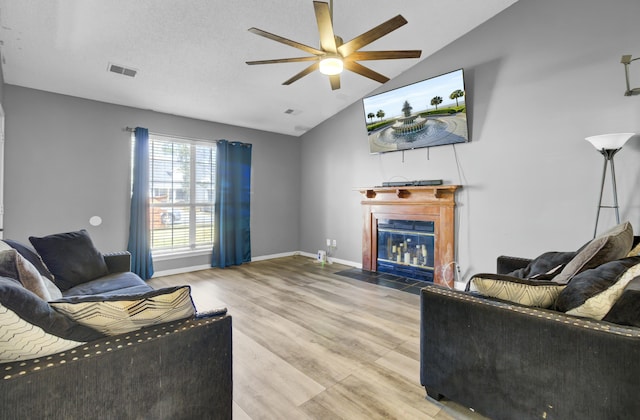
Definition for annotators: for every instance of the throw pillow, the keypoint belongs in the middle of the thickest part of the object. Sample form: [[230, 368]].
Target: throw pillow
[[593, 292], [539, 293], [31, 255], [545, 266], [54, 292], [30, 328], [611, 245], [626, 310], [25, 341], [71, 257], [114, 315], [12, 265], [635, 251]]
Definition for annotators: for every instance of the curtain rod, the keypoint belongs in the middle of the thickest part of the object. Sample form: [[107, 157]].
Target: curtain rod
[[132, 130]]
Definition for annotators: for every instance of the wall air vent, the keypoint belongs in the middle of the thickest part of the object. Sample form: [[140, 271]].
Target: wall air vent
[[114, 68]]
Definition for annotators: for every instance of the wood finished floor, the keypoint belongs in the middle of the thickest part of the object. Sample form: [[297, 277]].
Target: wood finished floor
[[310, 344]]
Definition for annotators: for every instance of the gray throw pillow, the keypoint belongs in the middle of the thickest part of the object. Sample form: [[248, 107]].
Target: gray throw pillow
[[611, 245], [14, 266]]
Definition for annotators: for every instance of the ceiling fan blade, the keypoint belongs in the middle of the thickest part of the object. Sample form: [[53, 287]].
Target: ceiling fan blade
[[383, 55], [286, 41], [303, 73], [335, 81], [325, 27], [365, 71], [283, 60], [368, 37]]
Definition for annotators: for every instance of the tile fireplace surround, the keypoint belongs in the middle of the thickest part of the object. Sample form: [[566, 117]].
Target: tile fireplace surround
[[433, 203]]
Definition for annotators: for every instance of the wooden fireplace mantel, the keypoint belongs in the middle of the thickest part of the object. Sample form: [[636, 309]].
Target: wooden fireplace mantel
[[429, 203]]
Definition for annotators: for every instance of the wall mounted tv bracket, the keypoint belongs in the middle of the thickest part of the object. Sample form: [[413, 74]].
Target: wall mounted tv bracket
[[626, 60]]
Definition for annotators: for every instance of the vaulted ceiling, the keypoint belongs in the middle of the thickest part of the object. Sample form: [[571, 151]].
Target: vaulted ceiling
[[190, 55]]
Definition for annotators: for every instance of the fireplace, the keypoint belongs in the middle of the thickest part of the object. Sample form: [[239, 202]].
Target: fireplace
[[405, 248], [409, 231]]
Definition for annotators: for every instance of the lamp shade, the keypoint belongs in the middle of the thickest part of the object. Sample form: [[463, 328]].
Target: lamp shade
[[609, 141]]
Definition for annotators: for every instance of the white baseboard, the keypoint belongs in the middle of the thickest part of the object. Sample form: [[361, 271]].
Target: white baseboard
[[180, 270], [332, 260], [272, 256], [183, 270]]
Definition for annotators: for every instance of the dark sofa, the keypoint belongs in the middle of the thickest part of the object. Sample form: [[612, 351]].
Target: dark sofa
[[510, 361], [181, 369], [178, 370]]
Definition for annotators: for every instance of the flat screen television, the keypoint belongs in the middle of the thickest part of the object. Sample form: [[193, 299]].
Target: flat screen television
[[428, 113]]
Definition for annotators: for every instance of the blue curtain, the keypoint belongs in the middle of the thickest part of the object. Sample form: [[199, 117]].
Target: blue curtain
[[139, 244], [232, 235]]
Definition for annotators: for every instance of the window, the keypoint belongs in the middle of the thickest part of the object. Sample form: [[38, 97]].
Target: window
[[182, 191]]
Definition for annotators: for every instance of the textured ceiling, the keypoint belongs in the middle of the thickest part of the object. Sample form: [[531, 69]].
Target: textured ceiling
[[190, 55]]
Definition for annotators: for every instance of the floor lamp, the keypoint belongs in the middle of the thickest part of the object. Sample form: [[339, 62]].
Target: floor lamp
[[608, 145]]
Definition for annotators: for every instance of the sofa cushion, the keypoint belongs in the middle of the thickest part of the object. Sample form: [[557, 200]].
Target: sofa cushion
[[540, 293], [118, 314], [611, 245], [593, 292], [71, 257], [126, 283], [32, 256]]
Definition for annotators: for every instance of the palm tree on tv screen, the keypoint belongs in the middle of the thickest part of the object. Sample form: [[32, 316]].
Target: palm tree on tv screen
[[380, 114], [436, 100], [456, 94]]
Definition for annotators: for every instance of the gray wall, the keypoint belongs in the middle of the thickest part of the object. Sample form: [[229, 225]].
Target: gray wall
[[540, 77], [68, 159]]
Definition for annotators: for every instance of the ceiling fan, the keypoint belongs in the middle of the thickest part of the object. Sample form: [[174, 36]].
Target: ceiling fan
[[334, 55]]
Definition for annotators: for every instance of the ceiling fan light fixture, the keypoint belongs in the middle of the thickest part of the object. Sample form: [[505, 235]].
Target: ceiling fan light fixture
[[331, 65]]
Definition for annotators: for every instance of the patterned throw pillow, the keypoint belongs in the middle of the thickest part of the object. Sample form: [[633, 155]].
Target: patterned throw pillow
[[635, 251], [538, 293], [30, 328], [114, 315], [25, 341]]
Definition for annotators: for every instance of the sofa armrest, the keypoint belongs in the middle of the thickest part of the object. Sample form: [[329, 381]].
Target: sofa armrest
[[118, 262], [180, 369], [511, 361], [506, 264]]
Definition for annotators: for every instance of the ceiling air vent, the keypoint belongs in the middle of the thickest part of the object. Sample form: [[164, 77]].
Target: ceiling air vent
[[114, 68]]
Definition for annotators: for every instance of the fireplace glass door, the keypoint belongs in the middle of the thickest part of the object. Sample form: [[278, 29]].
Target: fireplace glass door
[[406, 248]]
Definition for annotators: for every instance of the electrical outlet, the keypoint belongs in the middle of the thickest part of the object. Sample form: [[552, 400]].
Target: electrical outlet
[[328, 242], [335, 243]]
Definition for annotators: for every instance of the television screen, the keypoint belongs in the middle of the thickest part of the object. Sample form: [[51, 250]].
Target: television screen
[[423, 114]]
